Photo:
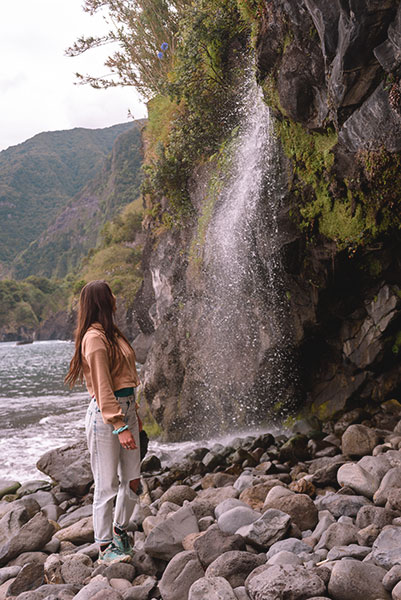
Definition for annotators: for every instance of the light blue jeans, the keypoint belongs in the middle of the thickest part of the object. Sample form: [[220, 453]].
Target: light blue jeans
[[113, 468]]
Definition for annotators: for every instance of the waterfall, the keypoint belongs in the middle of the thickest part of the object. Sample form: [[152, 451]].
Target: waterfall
[[245, 371]]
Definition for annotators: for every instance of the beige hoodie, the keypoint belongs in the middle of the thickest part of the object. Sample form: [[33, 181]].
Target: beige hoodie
[[103, 379]]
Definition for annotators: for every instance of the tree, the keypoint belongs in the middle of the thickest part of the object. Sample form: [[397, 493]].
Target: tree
[[139, 28]]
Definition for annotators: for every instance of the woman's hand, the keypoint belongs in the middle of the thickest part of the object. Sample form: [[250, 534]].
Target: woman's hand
[[126, 440]]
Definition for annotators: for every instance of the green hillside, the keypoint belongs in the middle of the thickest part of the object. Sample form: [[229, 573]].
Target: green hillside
[[38, 178], [75, 229]]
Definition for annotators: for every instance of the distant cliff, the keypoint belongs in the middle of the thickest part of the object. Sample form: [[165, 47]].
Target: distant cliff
[[76, 227], [38, 178]]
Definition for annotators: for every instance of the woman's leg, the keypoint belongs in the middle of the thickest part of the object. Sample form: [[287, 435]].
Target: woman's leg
[[128, 470], [104, 449]]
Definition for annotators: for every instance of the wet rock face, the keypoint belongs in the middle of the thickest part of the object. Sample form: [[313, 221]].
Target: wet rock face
[[327, 62]]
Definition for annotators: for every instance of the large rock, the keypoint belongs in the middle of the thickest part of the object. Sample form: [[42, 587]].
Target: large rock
[[76, 568], [165, 540], [216, 495], [30, 577], [289, 545], [80, 532], [181, 572], [373, 126], [239, 516], [392, 479], [211, 588], [284, 581], [341, 505], [338, 534], [69, 466], [12, 522], [300, 507], [235, 566], [358, 440], [215, 543], [354, 580], [386, 549], [178, 494], [268, 529], [355, 477], [32, 536]]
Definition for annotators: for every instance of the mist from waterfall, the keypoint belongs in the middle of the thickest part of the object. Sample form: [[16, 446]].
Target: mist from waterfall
[[246, 326]]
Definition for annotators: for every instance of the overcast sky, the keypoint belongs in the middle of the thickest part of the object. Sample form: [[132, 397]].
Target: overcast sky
[[37, 88]]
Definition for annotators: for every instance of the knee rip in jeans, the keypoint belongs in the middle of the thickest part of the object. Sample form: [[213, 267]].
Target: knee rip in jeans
[[134, 485]]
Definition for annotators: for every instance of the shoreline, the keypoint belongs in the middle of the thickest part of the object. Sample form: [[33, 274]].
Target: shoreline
[[317, 512]]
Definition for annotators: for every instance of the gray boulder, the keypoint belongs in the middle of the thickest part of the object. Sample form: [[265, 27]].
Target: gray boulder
[[374, 515], [215, 543], [386, 549], [239, 516], [178, 494], [30, 577], [76, 515], [350, 551], [300, 507], [69, 466], [211, 588], [392, 577], [289, 545], [355, 477], [12, 522], [392, 479], [355, 580], [341, 505], [268, 529], [9, 572], [235, 566], [338, 534], [181, 572], [216, 495], [32, 536], [284, 581], [76, 568], [358, 440], [227, 505], [165, 539]]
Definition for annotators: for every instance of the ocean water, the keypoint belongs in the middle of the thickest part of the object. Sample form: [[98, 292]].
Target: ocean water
[[39, 413]]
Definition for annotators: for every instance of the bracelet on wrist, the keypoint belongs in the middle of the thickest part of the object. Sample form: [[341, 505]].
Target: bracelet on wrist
[[120, 430]]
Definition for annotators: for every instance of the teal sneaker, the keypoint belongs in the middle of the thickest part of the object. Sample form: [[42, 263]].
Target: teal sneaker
[[112, 554], [122, 542]]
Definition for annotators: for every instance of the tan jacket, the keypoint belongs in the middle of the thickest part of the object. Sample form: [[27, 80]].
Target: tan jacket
[[103, 379]]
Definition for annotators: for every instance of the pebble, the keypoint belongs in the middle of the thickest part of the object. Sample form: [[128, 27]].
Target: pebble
[[233, 534]]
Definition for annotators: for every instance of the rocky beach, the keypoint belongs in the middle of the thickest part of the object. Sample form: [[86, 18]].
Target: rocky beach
[[315, 514]]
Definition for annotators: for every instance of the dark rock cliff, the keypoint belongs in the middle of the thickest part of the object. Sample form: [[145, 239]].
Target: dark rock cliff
[[330, 71]]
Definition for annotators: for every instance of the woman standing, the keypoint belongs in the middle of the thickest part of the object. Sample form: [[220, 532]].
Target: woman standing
[[104, 357]]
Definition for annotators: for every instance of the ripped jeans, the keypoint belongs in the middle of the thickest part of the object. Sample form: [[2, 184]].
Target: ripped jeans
[[113, 468]]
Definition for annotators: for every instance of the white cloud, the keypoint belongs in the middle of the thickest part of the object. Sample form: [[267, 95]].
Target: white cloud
[[37, 80]]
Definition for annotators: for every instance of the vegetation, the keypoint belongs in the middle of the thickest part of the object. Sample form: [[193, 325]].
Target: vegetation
[[40, 176], [27, 303], [64, 243], [118, 257]]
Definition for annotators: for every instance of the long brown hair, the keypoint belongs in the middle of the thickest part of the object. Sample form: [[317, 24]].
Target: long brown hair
[[96, 305]]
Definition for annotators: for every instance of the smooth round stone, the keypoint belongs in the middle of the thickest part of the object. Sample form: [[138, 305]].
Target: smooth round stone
[[227, 505], [8, 487], [237, 517], [212, 588], [357, 580], [361, 481]]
